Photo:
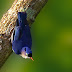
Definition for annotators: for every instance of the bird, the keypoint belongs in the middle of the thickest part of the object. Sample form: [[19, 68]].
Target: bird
[[21, 37]]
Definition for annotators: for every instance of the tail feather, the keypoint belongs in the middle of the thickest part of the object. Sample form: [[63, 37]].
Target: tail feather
[[22, 18], [17, 22]]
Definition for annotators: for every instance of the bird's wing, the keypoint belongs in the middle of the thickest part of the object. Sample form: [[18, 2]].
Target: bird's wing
[[28, 35], [16, 32]]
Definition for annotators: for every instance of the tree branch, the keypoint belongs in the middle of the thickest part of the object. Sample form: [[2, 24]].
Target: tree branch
[[7, 23]]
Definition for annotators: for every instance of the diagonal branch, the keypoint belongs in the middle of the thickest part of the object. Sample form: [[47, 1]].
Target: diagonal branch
[[7, 23]]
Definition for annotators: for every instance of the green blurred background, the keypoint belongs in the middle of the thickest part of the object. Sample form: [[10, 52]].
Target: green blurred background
[[52, 40]]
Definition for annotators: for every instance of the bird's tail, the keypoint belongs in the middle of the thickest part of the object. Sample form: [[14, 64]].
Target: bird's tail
[[22, 18]]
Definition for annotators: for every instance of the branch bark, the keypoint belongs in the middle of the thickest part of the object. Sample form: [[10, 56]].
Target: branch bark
[[7, 23]]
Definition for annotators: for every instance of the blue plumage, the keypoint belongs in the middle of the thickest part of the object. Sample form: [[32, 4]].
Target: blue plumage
[[22, 40]]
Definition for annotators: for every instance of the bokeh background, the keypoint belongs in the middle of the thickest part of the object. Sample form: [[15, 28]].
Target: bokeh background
[[52, 40]]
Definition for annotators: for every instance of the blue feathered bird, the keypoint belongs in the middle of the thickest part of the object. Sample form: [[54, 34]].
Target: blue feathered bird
[[22, 40]]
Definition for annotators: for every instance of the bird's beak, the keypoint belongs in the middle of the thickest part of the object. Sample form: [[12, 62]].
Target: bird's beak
[[31, 58]]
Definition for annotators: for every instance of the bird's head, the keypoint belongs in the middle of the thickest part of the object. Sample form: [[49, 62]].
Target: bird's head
[[26, 53]]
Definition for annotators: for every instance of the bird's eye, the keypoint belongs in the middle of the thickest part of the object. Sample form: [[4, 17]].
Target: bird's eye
[[25, 49]]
